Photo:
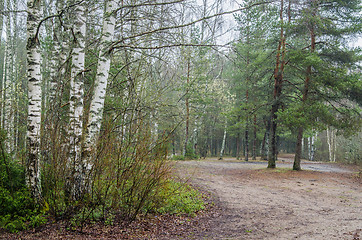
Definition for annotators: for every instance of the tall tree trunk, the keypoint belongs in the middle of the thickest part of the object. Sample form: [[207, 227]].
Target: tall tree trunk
[[223, 143], [298, 151], [265, 145], [238, 146], [34, 97], [254, 140], [278, 80], [187, 109], [76, 103], [100, 85], [329, 142], [8, 80], [4, 62], [1, 19], [311, 147]]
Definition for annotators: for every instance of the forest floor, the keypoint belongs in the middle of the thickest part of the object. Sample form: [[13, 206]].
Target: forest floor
[[324, 201], [245, 201]]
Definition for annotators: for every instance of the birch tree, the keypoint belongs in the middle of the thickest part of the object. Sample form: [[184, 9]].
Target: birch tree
[[100, 86], [76, 101], [34, 96]]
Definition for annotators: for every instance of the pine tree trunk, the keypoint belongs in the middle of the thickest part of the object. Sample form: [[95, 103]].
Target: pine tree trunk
[[254, 140], [238, 146], [100, 87], [278, 80], [296, 165], [76, 104], [34, 97], [298, 152]]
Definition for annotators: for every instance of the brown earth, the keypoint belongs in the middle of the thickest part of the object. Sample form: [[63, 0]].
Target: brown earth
[[259, 203], [246, 201]]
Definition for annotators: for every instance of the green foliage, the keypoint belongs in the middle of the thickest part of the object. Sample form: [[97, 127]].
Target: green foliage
[[17, 209], [178, 158], [190, 152], [180, 198]]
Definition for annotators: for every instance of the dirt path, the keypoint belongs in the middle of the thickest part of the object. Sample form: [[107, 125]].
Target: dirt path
[[279, 204]]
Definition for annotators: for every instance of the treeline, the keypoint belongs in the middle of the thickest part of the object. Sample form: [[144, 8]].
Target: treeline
[[97, 94]]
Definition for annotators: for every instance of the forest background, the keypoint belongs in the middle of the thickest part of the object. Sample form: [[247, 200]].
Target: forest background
[[96, 95]]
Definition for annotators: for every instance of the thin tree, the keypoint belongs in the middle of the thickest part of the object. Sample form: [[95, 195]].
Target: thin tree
[[34, 96]]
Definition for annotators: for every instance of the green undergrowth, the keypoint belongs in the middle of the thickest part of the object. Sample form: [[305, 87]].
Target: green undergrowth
[[17, 209], [180, 198]]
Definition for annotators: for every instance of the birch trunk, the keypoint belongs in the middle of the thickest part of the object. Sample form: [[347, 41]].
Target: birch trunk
[[8, 74], [34, 98], [311, 148], [5, 71], [223, 144], [76, 103], [13, 94], [329, 145], [3, 76], [100, 86], [1, 19]]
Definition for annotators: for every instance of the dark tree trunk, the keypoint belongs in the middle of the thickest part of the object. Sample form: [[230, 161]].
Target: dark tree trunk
[[254, 142], [298, 151], [278, 80], [247, 143], [238, 146]]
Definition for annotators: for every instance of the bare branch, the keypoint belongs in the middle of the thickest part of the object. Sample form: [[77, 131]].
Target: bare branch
[[187, 24]]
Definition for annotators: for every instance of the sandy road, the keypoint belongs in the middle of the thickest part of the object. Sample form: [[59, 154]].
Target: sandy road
[[324, 202]]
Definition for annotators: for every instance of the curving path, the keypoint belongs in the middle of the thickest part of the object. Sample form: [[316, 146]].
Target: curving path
[[324, 202]]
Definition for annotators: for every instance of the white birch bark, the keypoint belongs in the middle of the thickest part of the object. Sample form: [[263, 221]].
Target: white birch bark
[[223, 144], [15, 67], [76, 102], [1, 33], [34, 97], [3, 87], [100, 86], [8, 91], [312, 147], [329, 145], [1, 19]]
